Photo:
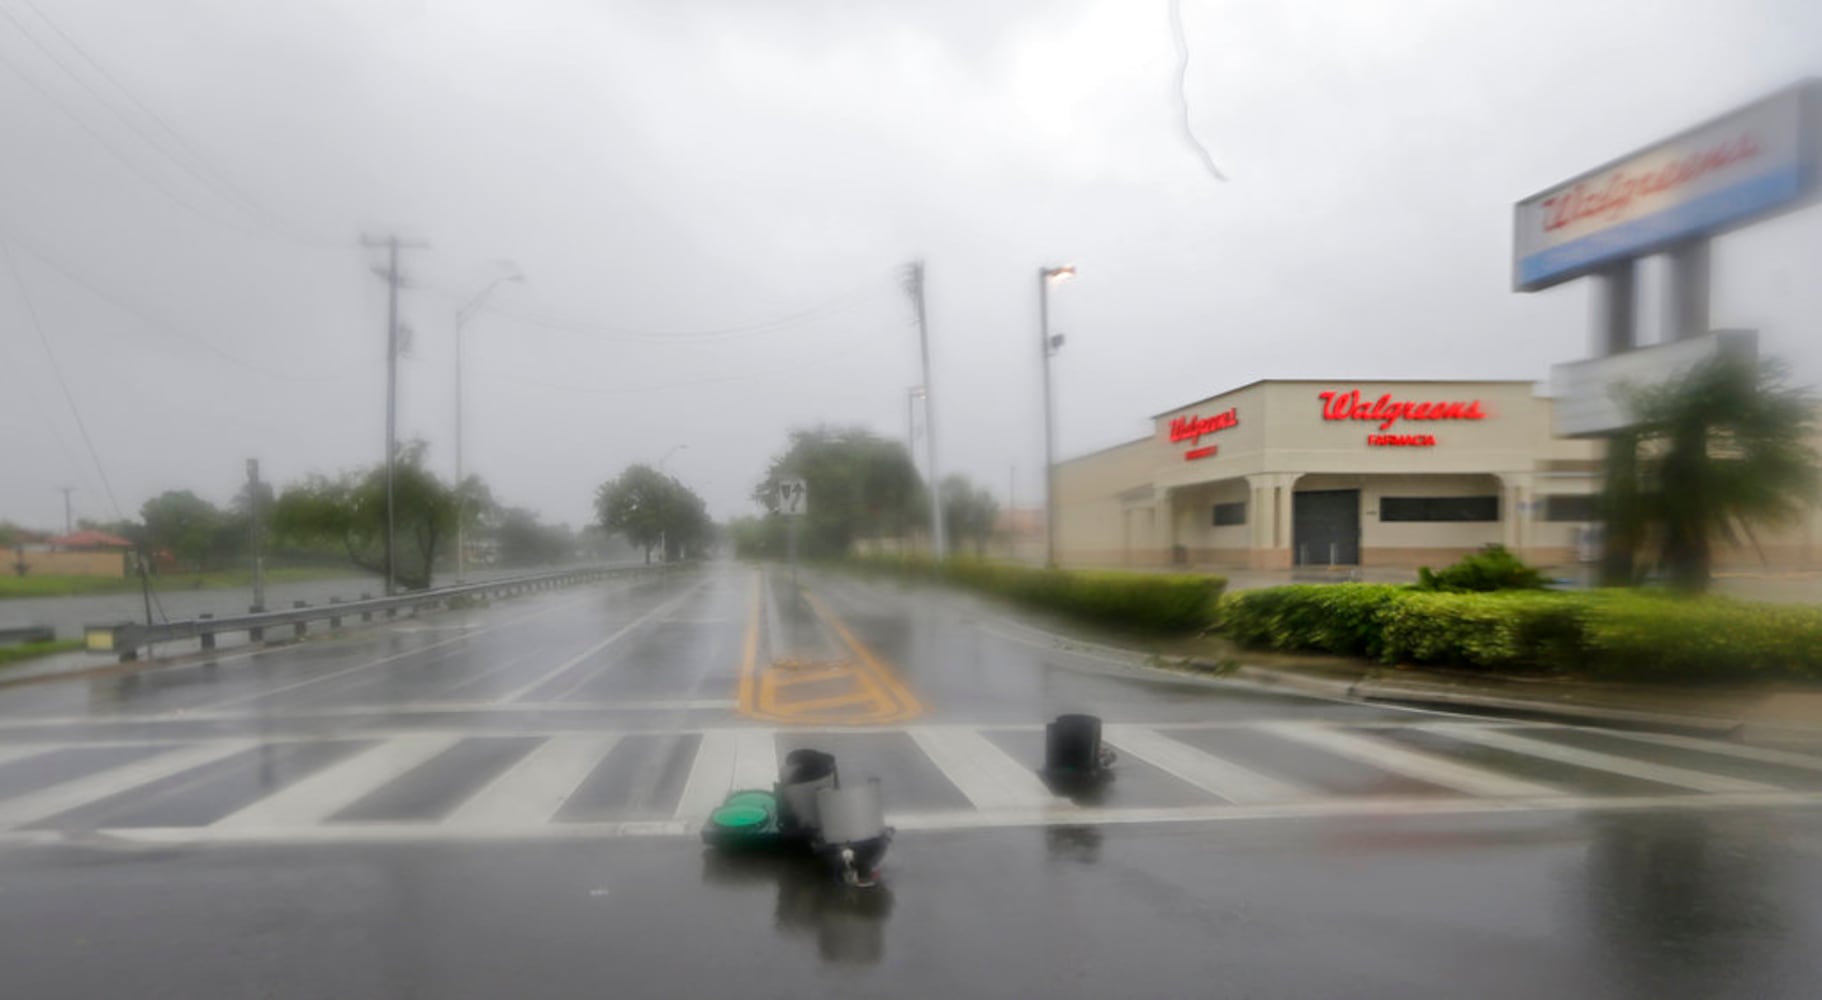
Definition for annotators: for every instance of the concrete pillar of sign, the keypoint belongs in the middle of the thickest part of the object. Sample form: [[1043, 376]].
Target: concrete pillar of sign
[[1687, 311], [1616, 309]]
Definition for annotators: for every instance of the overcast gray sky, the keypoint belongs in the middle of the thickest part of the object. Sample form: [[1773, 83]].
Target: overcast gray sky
[[710, 202]]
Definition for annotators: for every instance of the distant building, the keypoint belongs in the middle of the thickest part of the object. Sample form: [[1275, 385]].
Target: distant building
[[81, 553]]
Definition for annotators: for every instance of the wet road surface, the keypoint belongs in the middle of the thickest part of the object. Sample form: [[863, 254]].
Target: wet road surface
[[502, 802]]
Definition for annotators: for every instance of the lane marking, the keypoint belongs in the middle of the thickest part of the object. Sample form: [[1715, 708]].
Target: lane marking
[[47, 802], [663, 608], [1764, 755], [1200, 768], [531, 791], [1347, 806], [427, 647], [324, 793], [987, 775], [1594, 760], [727, 759], [755, 758], [795, 676], [501, 667], [1410, 763], [10, 754], [815, 705], [903, 704]]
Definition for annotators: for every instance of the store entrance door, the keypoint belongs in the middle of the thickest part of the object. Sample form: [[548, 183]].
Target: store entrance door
[[1325, 527]]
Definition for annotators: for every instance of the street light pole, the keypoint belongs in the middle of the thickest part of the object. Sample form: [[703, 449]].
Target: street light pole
[[1047, 347], [463, 315]]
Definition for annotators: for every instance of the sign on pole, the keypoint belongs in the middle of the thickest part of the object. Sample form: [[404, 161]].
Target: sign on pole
[[1750, 163], [1593, 397], [792, 494]]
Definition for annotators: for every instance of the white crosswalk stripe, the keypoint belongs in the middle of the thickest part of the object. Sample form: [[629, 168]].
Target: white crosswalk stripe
[[338, 786], [531, 791], [987, 775], [47, 802], [727, 760], [1204, 770], [1700, 781], [526, 798], [1410, 763], [10, 754], [1764, 755]]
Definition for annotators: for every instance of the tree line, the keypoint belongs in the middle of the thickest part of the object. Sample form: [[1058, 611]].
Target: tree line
[[859, 485]]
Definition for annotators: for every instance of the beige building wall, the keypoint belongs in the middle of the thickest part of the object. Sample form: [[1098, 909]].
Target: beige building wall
[[44, 563], [1148, 503]]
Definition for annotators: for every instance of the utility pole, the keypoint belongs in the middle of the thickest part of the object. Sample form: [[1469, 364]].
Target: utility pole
[[392, 244], [1047, 346], [259, 562], [69, 525], [914, 285]]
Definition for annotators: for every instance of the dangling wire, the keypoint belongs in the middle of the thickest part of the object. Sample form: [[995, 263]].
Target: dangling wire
[[1189, 134]]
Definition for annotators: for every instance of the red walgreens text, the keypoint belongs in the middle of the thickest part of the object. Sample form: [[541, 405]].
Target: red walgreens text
[[1192, 427], [1615, 193], [1387, 411]]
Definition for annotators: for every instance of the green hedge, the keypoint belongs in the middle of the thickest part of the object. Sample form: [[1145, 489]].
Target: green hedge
[[1630, 636], [1152, 602]]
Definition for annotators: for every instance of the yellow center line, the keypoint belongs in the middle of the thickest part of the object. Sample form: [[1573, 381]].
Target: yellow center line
[[876, 669]]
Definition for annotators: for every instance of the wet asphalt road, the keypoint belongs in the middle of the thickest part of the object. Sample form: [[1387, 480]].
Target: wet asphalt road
[[502, 802]]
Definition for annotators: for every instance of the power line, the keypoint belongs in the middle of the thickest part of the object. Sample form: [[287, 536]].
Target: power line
[[166, 329], [82, 426], [124, 161], [103, 100], [215, 176], [121, 157], [1189, 133], [69, 397], [613, 332]]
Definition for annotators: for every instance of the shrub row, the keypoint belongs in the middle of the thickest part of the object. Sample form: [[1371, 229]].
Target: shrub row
[[1628, 636], [1151, 602]]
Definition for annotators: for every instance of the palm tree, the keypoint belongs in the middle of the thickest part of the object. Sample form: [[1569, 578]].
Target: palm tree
[[1722, 448]]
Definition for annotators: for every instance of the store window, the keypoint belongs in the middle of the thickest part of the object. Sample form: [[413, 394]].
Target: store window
[[1482, 508], [1230, 513], [1575, 507]]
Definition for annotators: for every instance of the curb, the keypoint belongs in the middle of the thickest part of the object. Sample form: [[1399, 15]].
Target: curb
[[1366, 690]]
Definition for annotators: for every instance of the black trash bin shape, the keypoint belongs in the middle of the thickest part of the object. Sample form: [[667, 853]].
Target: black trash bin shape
[[1072, 746]]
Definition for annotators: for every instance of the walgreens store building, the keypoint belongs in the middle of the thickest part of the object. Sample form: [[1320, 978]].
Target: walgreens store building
[[1299, 473]]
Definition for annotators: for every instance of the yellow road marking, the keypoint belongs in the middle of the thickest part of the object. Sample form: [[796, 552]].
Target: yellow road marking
[[874, 694], [876, 669], [837, 701], [793, 677]]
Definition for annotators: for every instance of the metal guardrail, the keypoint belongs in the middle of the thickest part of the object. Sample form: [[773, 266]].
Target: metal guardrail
[[127, 638]]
